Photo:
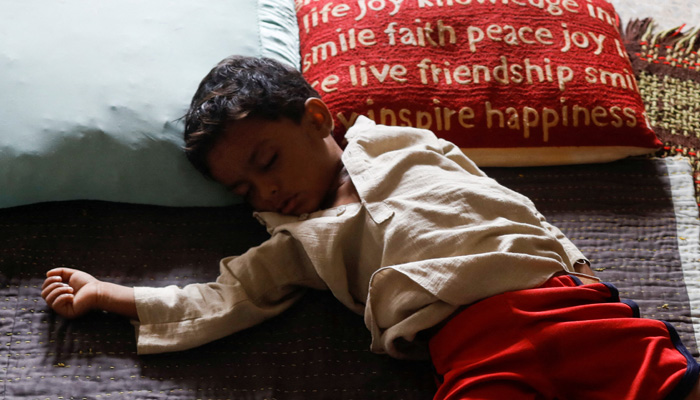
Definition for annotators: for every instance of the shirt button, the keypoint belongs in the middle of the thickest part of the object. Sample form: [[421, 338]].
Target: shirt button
[[303, 217], [341, 210]]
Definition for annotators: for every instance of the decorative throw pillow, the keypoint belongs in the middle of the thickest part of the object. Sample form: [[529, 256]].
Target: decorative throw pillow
[[512, 82], [92, 93]]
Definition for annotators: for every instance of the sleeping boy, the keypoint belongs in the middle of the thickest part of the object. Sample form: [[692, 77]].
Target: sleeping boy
[[443, 262]]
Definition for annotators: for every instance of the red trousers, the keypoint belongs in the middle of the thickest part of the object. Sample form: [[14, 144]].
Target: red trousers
[[563, 340]]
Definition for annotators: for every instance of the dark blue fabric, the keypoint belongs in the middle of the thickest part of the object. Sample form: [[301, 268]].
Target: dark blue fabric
[[692, 372]]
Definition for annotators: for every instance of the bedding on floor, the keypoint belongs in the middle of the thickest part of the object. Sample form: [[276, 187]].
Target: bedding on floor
[[636, 219]]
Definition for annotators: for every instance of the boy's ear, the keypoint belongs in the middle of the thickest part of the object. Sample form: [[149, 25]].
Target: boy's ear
[[319, 115]]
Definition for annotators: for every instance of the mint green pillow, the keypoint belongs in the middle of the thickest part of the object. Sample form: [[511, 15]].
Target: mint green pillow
[[91, 93]]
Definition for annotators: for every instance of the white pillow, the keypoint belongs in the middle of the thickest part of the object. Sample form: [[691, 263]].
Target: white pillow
[[91, 93]]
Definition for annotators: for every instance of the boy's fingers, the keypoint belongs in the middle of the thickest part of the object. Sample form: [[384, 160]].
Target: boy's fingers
[[58, 271], [51, 287], [55, 292], [63, 272], [61, 300], [55, 272], [50, 280]]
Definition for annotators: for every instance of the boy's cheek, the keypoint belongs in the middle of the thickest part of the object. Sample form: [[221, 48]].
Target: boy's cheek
[[259, 205]]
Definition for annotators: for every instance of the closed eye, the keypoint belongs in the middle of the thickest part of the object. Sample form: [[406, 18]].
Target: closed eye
[[271, 162]]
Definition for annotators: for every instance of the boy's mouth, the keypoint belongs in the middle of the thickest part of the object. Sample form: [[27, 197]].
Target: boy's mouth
[[288, 206]]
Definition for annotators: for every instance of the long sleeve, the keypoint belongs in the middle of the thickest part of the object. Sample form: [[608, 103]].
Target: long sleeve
[[251, 288]]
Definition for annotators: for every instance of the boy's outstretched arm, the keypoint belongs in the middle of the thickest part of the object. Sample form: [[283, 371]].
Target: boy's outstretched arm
[[72, 293]]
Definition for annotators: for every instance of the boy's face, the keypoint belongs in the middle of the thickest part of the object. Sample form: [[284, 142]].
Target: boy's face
[[279, 165]]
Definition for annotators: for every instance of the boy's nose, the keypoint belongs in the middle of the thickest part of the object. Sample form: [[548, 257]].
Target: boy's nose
[[268, 190]]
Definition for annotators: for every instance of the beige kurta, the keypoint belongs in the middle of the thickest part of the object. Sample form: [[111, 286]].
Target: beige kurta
[[432, 233]]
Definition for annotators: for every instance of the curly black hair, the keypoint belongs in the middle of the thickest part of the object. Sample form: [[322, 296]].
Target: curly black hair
[[236, 88]]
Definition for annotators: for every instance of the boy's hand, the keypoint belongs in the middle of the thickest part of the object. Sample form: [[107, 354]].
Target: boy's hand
[[69, 292]]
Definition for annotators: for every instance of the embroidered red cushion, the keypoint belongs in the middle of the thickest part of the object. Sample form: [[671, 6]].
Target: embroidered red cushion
[[512, 82]]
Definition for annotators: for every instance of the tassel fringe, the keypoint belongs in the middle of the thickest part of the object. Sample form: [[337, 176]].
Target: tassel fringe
[[643, 31]]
